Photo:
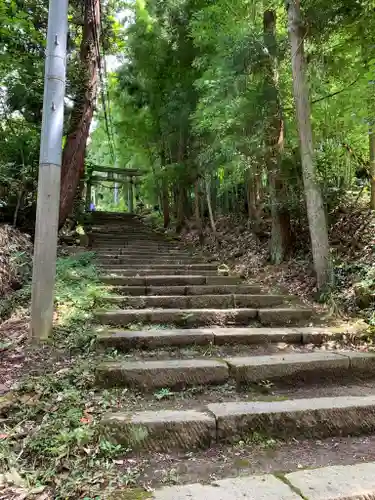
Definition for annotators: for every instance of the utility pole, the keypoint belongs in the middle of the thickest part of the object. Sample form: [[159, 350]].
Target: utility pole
[[131, 195], [47, 212]]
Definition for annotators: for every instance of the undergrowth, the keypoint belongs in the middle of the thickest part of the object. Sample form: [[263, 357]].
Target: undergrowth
[[49, 429]]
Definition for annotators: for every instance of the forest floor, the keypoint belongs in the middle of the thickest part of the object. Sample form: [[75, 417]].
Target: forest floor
[[352, 240], [50, 441]]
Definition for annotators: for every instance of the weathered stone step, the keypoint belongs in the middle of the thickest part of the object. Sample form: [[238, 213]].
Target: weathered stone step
[[169, 280], [117, 239], [132, 237], [118, 231], [187, 290], [203, 317], [340, 482], [151, 271], [198, 301], [125, 241], [301, 367], [161, 267], [129, 251], [123, 255], [125, 340], [155, 251], [293, 368], [125, 231], [316, 418], [151, 375], [122, 216], [154, 260], [283, 316], [178, 317]]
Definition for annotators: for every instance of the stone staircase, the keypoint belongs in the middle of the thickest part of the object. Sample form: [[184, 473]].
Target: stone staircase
[[177, 323]]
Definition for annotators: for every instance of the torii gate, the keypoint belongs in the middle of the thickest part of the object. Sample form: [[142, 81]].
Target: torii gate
[[97, 174]]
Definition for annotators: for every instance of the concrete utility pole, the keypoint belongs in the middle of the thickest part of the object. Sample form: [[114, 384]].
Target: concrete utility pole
[[130, 195], [47, 213]]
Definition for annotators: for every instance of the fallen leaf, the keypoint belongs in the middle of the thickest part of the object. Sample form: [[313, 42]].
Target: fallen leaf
[[87, 418], [13, 477]]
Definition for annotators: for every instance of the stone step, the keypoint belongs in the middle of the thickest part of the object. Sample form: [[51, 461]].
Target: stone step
[[160, 267], [297, 368], [198, 301], [148, 251], [124, 231], [99, 214], [126, 240], [178, 317], [283, 316], [151, 271], [134, 250], [169, 280], [159, 257], [166, 430], [340, 482], [203, 317], [150, 260], [125, 228], [134, 236], [129, 238], [130, 251], [293, 368], [118, 244], [125, 340], [109, 229], [186, 290], [151, 375]]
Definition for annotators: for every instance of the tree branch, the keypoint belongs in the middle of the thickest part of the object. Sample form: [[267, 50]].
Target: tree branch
[[335, 93], [330, 95]]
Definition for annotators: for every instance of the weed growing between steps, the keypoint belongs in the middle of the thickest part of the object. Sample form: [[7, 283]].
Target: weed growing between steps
[[49, 435]]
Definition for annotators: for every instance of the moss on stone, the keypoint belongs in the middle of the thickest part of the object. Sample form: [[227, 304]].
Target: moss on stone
[[131, 494]]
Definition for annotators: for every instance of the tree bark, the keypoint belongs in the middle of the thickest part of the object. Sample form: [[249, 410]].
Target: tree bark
[[181, 200], [208, 196], [281, 230], [165, 204], [372, 164], [251, 197], [73, 159], [196, 204], [19, 201], [314, 201], [197, 212]]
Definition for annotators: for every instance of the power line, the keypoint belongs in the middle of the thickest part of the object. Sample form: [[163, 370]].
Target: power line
[[102, 84], [106, 76]]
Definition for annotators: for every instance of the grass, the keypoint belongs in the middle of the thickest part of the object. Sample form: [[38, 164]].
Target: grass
[[49, 429]]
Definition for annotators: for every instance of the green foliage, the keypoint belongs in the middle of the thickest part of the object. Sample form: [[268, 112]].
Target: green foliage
[[51, 433], [23, 28], [191, 100]]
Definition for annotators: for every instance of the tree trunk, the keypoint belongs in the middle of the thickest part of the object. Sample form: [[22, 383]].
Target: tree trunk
[[197, 212], [165, 204], [19, 201], [181, 199], [208, 196], [73, 159], [372, 163], [314, 202], [196, 204], [213, 195], [251, 197], [281, 231]]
